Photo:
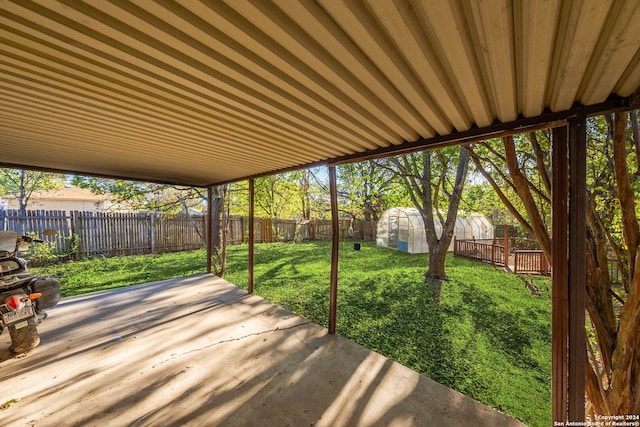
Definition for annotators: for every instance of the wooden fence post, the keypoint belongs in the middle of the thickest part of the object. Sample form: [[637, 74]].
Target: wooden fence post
[[506, 241], [136, 233], [75, 229], [493, 252], [152, 233], [335, 243], [250, 275]]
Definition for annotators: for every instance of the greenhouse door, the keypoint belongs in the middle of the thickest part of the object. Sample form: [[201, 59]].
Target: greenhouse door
[[403, 234], [393, 232]]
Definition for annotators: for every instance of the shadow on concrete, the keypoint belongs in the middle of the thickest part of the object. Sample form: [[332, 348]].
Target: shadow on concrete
[[200, 351]]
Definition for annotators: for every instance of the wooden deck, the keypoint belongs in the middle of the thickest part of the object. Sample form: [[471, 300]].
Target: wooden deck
[[494, 252]]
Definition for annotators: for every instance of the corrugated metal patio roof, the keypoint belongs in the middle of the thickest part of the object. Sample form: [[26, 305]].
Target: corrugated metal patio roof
[[197, 93]]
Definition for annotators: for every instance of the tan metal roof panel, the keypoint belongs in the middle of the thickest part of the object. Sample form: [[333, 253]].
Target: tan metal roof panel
[[199, 92]]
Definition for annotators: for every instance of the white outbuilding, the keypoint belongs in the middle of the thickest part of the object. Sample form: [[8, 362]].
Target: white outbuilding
[[403, 229]]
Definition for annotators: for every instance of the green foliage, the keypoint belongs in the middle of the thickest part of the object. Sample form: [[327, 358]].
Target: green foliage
[[98, 274], [146, 196], [287, 195], [277, 196], [364, 190], [367, 188], [42, 253], [73, 242], [46, 253], [22, 183], [601, 180], [481, 198]]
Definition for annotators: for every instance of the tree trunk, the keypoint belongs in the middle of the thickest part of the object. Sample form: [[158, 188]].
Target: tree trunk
[[22, 198], [438, 247], [417, 174], [306, 198], [521, 184], [367, 208], [624, 391], [437, 258], [626, 195], [599, 303], [635, 131], [218, 231]]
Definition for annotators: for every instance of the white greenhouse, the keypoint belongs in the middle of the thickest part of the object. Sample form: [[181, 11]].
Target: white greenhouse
[[403, 229]]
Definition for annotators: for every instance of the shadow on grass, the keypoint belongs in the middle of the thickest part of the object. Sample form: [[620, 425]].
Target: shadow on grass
[[509, 331], [401, 322]]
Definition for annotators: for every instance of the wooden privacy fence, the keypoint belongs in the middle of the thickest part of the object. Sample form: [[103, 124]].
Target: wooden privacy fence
[[494, 252], [114, 234], [286, 230], [111, 234], [266, 230], [37, 221]]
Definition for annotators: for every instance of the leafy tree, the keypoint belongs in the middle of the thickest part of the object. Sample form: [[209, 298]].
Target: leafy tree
[[518, 170], [312, 192], [480, 198], [22, 183], [146, 196], [613, 233], [277, 196], [436, 191], [612, 383], [299, 194], [149, 196], [305, 193], [366, 189], [238, 198]]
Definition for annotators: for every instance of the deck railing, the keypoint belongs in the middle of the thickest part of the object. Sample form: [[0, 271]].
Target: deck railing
[[495, 252], [531, 262], [486, 250]]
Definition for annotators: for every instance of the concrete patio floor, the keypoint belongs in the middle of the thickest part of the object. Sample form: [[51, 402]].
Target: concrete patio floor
[[199, 351]]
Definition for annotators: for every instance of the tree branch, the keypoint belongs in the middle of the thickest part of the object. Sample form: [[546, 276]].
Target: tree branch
[[630, 228], [505, 200]]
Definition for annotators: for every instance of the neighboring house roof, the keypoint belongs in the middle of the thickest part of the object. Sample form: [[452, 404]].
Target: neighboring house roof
[[70, 193], [68, 198]]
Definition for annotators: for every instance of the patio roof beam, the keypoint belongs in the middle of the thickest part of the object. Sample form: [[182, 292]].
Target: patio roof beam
[[251, 234], [559, 276], [544, 121], [577, 266], [333, 289], [209, 228]]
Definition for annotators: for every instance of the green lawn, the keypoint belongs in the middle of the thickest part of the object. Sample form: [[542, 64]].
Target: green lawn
[[489, 338]]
